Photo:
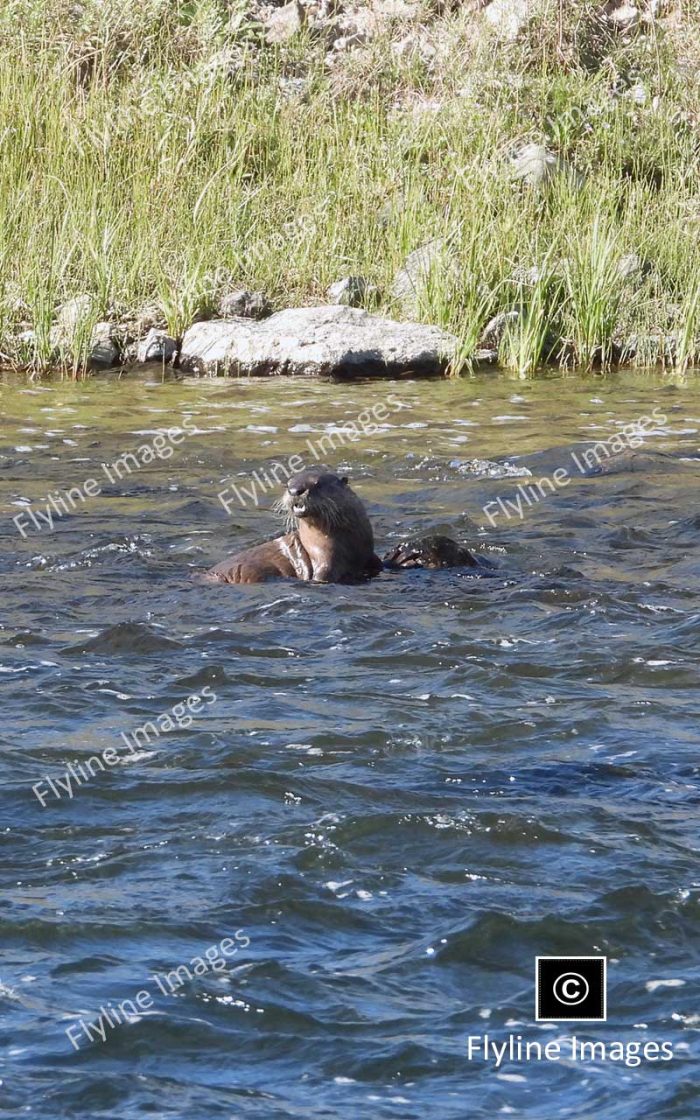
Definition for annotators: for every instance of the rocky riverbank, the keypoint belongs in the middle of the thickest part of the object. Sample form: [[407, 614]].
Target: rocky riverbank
[[328, 186]]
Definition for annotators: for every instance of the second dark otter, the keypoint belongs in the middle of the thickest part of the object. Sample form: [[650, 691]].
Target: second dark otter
[[330, 540], [430, 552]]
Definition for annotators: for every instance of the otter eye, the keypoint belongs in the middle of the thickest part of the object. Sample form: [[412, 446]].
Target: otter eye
[[343, 482]]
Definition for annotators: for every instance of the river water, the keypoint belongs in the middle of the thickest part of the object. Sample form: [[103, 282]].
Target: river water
[[391, 797]]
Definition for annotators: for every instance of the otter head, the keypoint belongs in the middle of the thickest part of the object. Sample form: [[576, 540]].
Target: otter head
[[315, 496], [331, 525]]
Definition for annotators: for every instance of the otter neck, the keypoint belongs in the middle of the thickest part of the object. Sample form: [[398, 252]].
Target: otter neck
[[334, 552]]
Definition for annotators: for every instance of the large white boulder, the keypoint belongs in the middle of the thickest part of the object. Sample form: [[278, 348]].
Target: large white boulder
[[316, 342]]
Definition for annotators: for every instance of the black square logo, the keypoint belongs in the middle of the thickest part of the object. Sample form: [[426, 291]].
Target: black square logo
[[571, 988]]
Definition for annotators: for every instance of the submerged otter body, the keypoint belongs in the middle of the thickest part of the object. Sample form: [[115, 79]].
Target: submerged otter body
[[331, 541]]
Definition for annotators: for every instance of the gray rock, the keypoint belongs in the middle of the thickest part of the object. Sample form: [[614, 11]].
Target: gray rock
[[150, 315], [243, 304], [633, 268], [510, 17], [292, 89], [495, 329], [72, 315], [351, 291], [485, 356], [430, 260], [316, 342], [523, 277], [629, 267], [639, 94], [539, 168], [157, 346], [623, 16], [282, 24], [104, 350]]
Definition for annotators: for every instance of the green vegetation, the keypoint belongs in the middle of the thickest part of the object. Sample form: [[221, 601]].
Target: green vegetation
[[159, 151]]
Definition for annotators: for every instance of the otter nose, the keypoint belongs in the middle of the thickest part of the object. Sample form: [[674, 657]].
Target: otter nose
[[296, 489]]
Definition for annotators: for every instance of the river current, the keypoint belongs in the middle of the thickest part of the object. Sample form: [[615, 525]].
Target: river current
[[350, 816]]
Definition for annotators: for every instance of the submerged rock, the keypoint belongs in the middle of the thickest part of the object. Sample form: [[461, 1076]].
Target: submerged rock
[[316, 342], [487, 468]]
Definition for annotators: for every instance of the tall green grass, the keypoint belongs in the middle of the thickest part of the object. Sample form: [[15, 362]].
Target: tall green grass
[[531, 338], [156, 152]]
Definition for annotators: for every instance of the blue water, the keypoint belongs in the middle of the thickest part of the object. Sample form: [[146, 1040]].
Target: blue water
[[402, 793]]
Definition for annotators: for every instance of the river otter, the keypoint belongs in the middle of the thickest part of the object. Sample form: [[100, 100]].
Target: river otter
[[430, 552], [330, 540]]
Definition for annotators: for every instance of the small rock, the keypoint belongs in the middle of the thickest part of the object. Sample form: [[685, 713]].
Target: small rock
[[284, 23], [292, 89], [71, 315], [104, 351], [226, 63], [157, 346], [411, 281], [351, 291], [349, 42], [486, 356], [623, 16], [495, 329], [148, 316], [523, 277], [632, 267], [242, 304], [539, 168], [509, 18]]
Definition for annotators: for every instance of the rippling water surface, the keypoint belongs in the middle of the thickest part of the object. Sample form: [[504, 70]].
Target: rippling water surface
[[402, 793]]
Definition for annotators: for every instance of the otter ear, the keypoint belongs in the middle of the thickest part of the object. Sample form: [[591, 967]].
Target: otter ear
[[343, 481]]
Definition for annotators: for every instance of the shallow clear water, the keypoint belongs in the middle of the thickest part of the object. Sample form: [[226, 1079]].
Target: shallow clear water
[[403, 792]]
